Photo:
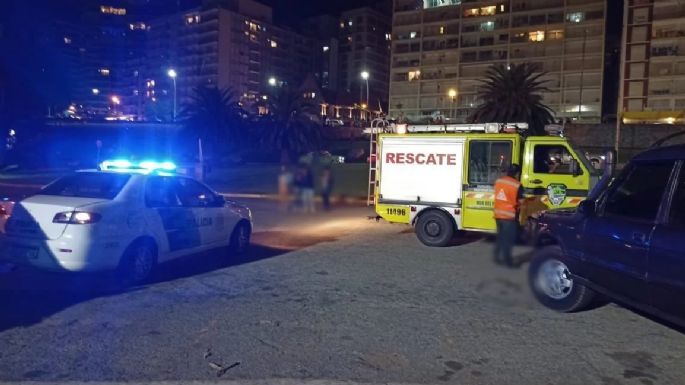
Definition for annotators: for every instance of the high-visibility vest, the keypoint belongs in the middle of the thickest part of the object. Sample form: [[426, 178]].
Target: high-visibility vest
[[506, 197]]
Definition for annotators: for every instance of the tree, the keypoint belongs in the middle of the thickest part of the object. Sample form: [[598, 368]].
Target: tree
[[214, 115], [293, 124], [511, 94]]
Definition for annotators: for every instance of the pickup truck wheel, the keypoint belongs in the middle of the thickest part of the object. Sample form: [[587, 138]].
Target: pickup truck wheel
[[553, 285], [434, 229]]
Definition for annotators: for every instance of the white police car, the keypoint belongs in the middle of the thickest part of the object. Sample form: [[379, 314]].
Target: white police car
[[124, 217]]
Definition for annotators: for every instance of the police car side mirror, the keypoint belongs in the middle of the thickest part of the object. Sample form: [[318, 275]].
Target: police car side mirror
[[587, 207], [219, 200]]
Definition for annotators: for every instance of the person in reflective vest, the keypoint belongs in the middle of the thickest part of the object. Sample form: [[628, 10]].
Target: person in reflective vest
[[508, 194]]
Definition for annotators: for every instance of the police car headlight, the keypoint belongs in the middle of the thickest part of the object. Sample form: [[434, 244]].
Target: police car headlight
[[76, 217]]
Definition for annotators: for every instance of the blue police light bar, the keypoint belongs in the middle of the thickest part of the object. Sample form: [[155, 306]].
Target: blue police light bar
[[144, 166]]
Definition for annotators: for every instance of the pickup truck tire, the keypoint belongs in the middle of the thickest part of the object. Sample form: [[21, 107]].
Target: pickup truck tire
[[553, 285], [434, 228]]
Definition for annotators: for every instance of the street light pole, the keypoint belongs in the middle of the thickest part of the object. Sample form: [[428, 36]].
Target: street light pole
[[172, 74], [365, 76], [452, 93]]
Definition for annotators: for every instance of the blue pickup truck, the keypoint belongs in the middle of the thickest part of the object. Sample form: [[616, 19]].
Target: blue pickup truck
[[625, 243]]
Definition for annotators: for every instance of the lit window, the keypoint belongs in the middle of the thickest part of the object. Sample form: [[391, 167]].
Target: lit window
[[501, 8], [137, 26], [575, 17], [67, 40], [442, 30], [192, 19], [414, 75], [555, 34], [388, 37], [471, 12], [342, 25], [349, 23], [412, 35], [349, 39], [487, 26], [104, 71], [536, 36], [488, 11], [274, 44], [313, 95], [106, 9], [253, 27], [325, 48]]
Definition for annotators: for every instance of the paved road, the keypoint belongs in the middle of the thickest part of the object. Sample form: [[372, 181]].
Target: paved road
[[325, 299]]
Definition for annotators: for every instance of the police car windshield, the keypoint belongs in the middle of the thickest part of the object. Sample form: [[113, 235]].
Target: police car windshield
[[87, 185]]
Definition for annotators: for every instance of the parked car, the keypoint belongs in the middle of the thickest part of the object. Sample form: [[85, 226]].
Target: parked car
[[625, 243], [124, 217]]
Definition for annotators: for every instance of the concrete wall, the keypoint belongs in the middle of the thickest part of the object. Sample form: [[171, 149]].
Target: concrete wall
[[634, 138]]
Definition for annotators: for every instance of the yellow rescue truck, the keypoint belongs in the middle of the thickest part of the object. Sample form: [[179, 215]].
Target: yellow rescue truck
[[440, 178]]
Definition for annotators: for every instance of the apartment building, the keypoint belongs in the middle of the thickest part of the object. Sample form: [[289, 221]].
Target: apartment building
[[365, 48], [653, 62], [231, 44], [442, 48]]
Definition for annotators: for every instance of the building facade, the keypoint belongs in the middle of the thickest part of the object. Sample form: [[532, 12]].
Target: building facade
[[653, 62], [365, 48], [229, 44], [442, 48]]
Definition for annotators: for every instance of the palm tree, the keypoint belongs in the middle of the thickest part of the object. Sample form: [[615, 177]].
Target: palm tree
[[293, 125], [215, 116], [511, 94]]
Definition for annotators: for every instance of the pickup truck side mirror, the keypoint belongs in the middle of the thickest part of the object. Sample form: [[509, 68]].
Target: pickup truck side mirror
[[587, 207]]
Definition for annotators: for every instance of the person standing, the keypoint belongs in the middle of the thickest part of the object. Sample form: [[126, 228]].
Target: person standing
[[326, 187], [285, 182], [307, 189], [508, 194]]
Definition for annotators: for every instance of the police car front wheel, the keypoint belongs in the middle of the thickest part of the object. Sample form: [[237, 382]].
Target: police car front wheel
[[240, 239], [434, 228]]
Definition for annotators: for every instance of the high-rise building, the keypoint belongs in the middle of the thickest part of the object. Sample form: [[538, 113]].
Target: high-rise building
[[231, 44], [325, 36], [653, 62], [442, 48], [365, 49]]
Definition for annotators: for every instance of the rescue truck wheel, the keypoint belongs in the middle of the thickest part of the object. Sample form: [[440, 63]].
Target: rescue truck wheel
[[553, 285], [434, 228], [137, 263]]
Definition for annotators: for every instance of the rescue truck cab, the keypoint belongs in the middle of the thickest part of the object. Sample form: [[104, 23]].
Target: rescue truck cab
[[440, 178]]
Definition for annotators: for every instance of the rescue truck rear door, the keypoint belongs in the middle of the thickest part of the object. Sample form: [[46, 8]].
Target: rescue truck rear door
[[421, 170], [487, 158]]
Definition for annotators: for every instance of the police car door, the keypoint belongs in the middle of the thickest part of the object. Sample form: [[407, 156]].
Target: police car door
[[207, 214], [171, 223]]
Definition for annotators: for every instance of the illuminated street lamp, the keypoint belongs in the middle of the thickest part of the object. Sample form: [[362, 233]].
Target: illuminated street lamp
[[96, 91], [452, 93], [272, 81], [115, 100], [172, 74]]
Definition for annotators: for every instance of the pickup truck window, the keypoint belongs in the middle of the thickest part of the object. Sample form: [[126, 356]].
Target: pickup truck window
[[677, 216], [488, 159], [638, 193]]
